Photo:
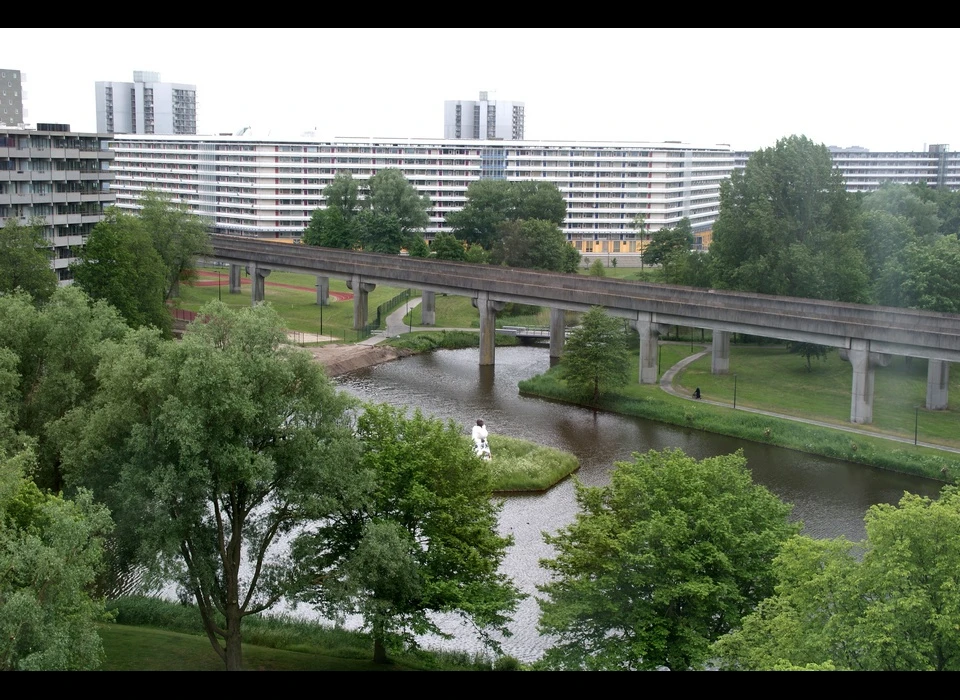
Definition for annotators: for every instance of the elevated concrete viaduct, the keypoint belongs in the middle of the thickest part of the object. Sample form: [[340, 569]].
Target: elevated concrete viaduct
[[866, 335]]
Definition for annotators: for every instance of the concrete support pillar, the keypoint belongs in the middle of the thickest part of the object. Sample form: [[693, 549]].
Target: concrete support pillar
[[360, 291], [258, 276], [558, 332], [234, 279], [720, 354], [861, 400], [938, 379], [488, 309], [649, 333], [428, 308], [863, 362], [323, 290]]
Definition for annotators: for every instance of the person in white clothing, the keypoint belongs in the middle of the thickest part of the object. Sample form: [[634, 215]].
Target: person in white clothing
[[480, 440]]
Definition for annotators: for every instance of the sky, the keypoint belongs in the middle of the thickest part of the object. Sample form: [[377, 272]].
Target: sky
[[879, 89]]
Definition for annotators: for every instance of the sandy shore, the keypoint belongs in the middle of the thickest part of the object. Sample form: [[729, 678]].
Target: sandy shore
[[340, 359]]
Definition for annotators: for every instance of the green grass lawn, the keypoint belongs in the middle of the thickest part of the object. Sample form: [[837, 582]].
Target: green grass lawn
[[297, 307], [770, 378], [130, 648], [519, 465]]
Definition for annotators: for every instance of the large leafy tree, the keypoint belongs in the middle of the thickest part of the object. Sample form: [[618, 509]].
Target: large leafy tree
[[57, 350], [178, 236], [534, 244], [892, 603], [447, 247], [210, 451], [595, 355], [120, 265], [668, 242], [50, 554], [492, 202], [660, 563], [334, 226], [25, 260], [422, 540], [787, 226], [392, 195]]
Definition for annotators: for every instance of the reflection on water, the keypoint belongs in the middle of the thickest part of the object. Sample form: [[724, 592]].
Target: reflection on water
[[830, 497]]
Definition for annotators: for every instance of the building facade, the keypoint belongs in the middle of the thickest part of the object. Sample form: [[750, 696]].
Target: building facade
[[11, 97], [60, 178], [864, 170], [146, 106], [483, 119], [244, 186]]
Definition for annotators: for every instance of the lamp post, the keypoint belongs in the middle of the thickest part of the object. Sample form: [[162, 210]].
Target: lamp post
[[916, 424], [734, 392]]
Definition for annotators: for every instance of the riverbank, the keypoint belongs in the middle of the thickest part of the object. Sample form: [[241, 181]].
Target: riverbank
[[759, 427]]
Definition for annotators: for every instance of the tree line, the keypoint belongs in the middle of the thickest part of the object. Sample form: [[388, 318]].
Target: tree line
[[510, 223]]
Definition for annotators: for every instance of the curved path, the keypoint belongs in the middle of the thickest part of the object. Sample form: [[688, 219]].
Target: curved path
[[666, 383]]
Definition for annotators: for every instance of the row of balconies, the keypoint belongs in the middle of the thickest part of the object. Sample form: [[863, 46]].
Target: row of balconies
[[56, 197]]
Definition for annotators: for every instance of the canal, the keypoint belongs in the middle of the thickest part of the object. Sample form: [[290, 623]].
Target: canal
[[830, 497]]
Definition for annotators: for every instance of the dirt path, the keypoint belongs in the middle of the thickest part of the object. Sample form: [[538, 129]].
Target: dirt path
[[340, 359]]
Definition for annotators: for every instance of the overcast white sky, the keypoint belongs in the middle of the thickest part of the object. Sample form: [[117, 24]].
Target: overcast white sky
[[881, 89]]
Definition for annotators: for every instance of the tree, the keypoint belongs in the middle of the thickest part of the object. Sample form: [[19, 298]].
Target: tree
[[332, 229], [382, 233], [423, 539], [210, 451], [178, 237], [808, 351], [668, 242], [596, 268], [660, 563], [891, 603], [536, 245], [447, 247], [25, 260], [50, 553], [120, 265], [57, 351], [787, 226], [343, 195], [595, 355], [537, 200], [492, 202], [392, 195]]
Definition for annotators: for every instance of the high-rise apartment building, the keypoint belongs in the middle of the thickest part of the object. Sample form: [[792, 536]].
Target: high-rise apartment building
[[11, 97], [269, 188], [146, 106], [58, 177], [483, 119]]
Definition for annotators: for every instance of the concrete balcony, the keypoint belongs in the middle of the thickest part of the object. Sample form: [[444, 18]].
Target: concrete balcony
[[18, 175], [73, 196], [59, 153], [72, 153], [41, 175], [92, 175], [19, 153], [59, 197], [90, 218]]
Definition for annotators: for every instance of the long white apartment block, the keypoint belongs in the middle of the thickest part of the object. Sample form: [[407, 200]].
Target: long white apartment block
[[269, 188], [864, 170], [60, 179]]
